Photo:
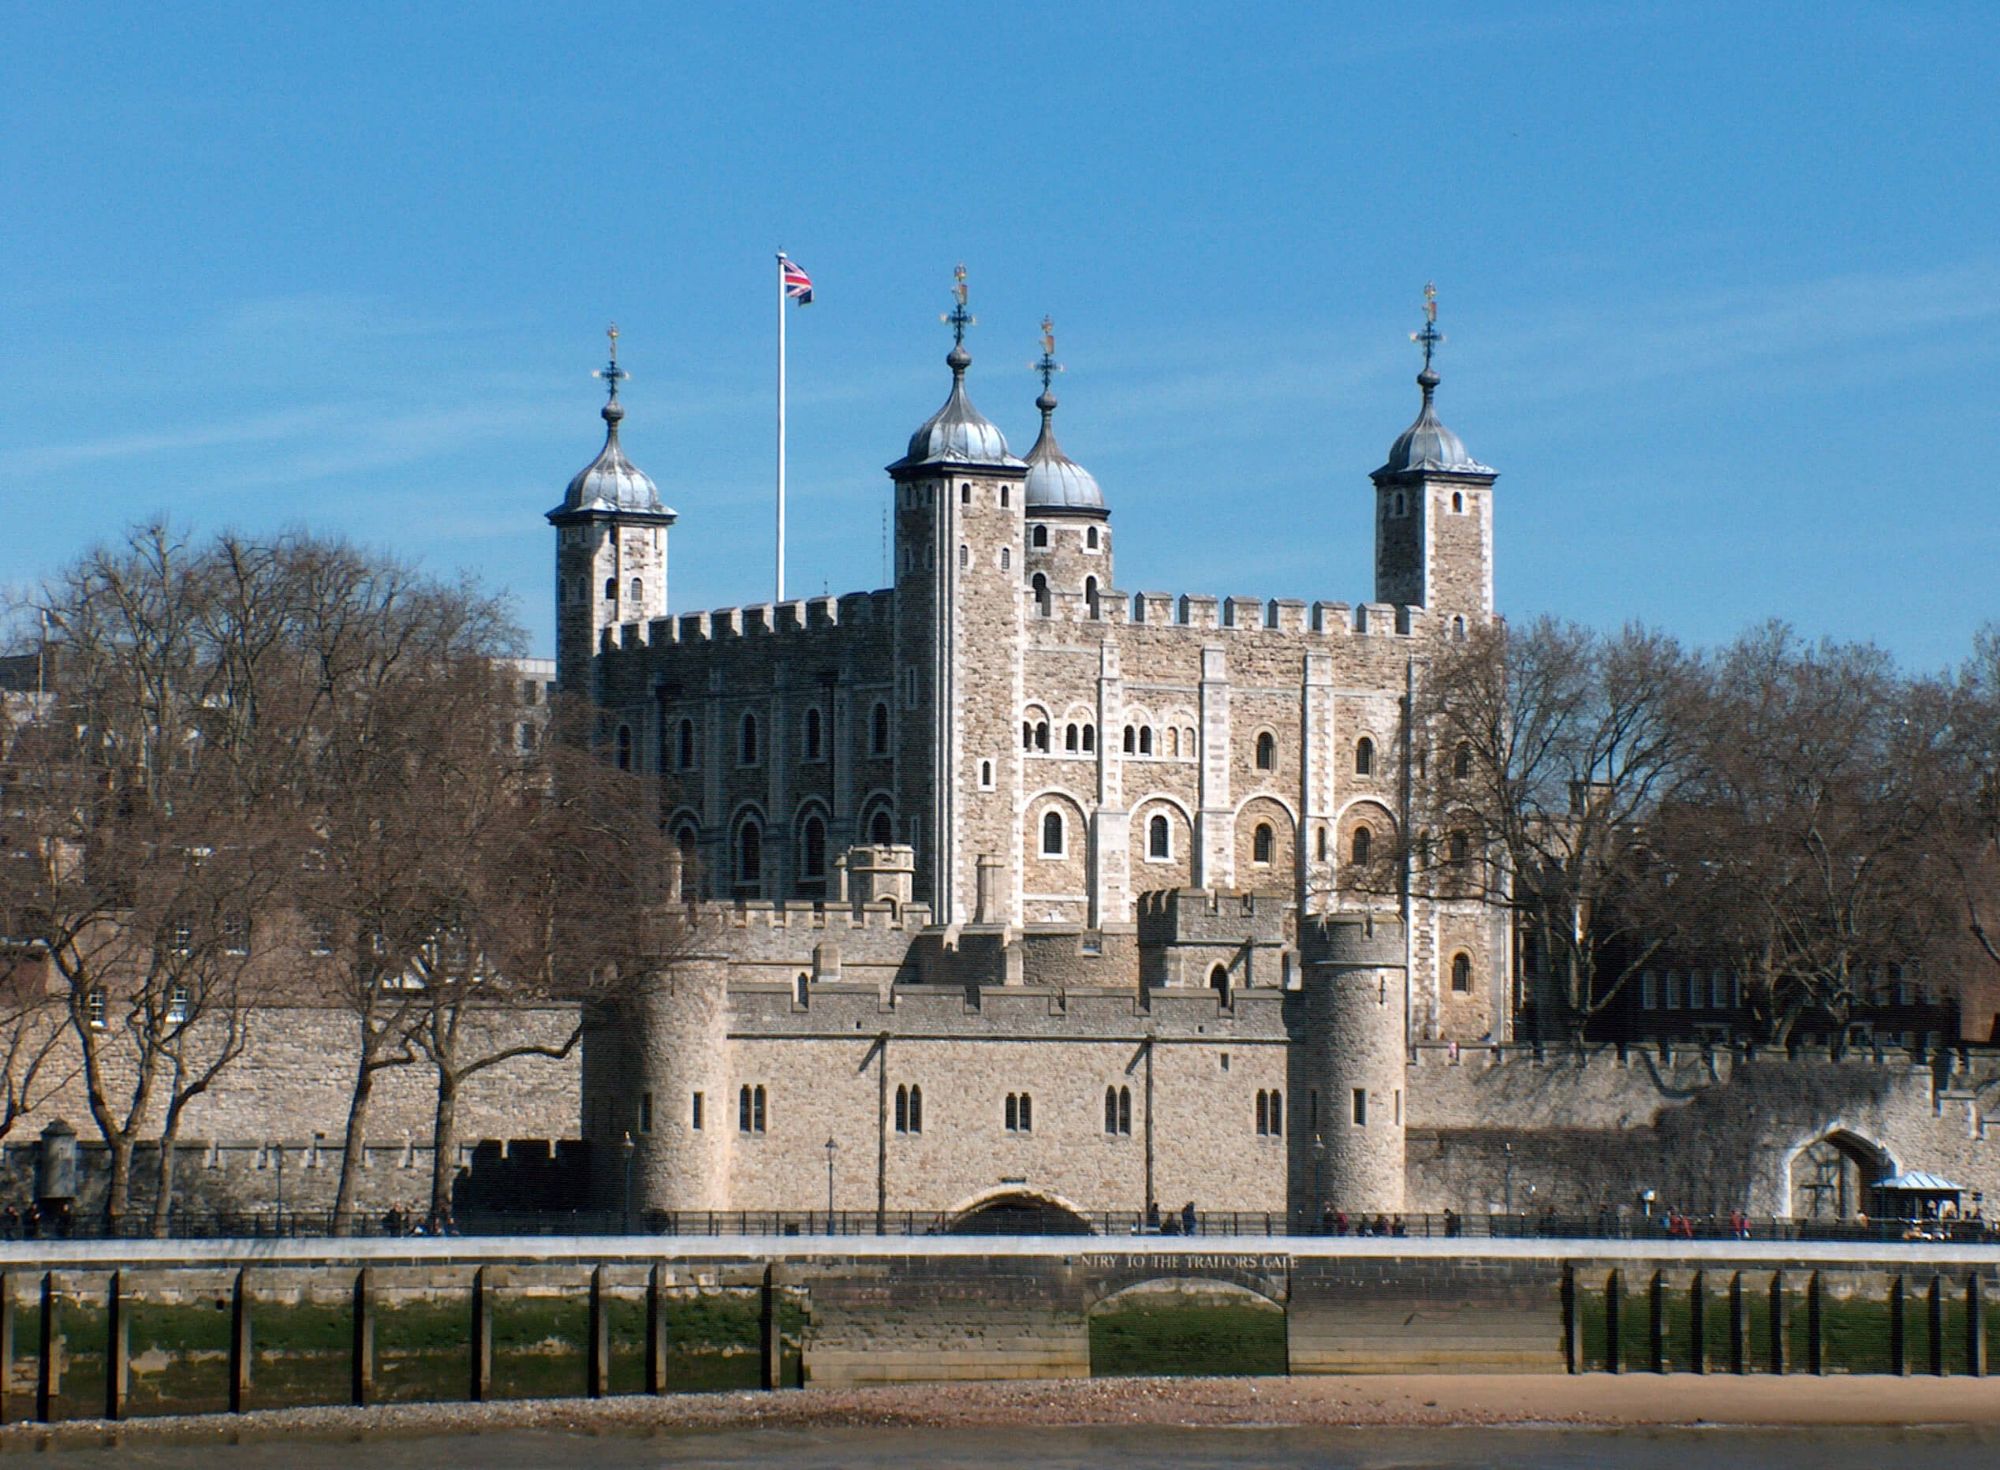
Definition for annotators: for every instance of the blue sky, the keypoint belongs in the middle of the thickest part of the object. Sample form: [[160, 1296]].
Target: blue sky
[[1720, 283]]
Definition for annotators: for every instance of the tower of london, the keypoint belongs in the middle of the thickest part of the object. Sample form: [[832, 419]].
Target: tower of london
[[1017, 883]]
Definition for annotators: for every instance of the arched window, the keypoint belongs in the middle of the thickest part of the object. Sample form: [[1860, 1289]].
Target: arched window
[[1159, 837], [750, 1109], [1218, 981], [986, 775], [610, 589], [1263, 1114], [916, 1108], [1458, 629], [812, 858], [1090, 538], [1090, 596], [746, 750], [1090, 737], [1461, 761], [1145, 740], [1125, 1110], [1364, 757], [1110, 1110], [878, 731], [1267, 752], [1457, 503], [1320, 846], [1020, 1113], [1072, 738], [965, 493], [813, 735], [1459, 848], [1396, 506], [1006, 558], [1041, 735], [1043, 604], [749, 852], [1261, 843], [684, 845], [964, 556], [637, 590], [802, 989], [1039, 537], [1187, 742], [1461, 973], [1277, 1113], [1363, 848], [1131, 740], [1173, 740], [624, 747], [881, 830], [1052, 834], [686, 743]]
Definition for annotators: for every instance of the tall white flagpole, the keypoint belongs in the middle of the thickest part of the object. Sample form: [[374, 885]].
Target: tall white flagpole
[[781, 426]]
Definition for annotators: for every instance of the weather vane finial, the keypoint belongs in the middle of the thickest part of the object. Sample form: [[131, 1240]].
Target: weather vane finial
[[1048, 367], [612, 374], [957, 317], [1430, 336]]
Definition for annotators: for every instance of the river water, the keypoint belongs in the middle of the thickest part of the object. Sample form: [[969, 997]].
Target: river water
[[1147, 1448]]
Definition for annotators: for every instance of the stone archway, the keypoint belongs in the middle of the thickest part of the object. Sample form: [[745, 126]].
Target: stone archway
[[1202, 1326], [1829, 1178], [1012, 1210]]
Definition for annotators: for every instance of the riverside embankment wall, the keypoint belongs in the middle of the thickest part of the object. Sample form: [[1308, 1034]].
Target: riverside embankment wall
[[882, 1311]]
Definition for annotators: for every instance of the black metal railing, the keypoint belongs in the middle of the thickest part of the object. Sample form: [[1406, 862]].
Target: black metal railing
[[1274, 1224]]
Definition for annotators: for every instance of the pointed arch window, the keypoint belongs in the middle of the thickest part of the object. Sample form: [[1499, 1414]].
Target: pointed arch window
[[812, 857], [1118, 1110]]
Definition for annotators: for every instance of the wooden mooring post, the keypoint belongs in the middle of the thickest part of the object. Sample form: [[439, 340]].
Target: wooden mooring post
[[1781, 1325], [1656, 1323], [1934, 1324], [1698, 1323], [1572, 1325], [1899, 1343], [770, 1343], [117, 1348], [48, 1368], [7, 1348], [239, 1343], [597, 1357], [1739, 1326], [1815, 1324], [361, 1388], [1975, 1328], [480, 1347], [656, 1330]]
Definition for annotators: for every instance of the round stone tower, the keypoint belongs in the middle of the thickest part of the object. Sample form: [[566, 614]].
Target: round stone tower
[[1348, 1073], [686, 1113]]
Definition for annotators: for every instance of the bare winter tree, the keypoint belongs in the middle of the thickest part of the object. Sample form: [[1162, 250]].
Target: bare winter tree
[[562, 903], [1800, 855], [1550, 747], [1970, 842]]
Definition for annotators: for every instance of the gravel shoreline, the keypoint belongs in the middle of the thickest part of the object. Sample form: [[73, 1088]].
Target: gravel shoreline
[[1387, 1401]]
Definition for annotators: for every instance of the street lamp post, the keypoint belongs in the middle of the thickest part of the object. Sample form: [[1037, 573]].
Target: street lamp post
[[631, 1148], [1507, 1151], [832, 1148], [1318, 1205], [279, 1226]]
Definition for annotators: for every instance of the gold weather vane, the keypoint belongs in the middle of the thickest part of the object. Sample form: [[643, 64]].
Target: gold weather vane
[[613, 374], [1430, 336], [957, 318], [1048, 367]]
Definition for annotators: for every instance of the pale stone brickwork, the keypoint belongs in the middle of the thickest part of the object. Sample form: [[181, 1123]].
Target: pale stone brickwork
[[980, 848]]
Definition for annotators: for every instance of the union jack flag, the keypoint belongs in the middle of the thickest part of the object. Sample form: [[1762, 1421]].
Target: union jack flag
[[798, 285]]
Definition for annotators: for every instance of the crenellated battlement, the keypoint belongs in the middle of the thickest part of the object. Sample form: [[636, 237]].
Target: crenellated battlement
[[755, 620], [1287, 615]]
